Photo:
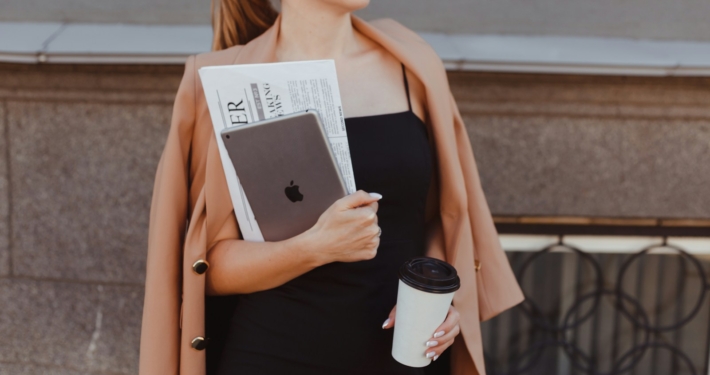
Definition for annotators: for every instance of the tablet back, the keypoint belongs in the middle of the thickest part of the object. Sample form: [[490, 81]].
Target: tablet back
[[287, 171]]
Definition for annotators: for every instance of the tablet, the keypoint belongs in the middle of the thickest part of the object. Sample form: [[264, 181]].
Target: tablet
[[287, 171]]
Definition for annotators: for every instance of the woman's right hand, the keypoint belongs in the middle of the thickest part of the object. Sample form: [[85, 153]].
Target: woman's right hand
[[347, 231]]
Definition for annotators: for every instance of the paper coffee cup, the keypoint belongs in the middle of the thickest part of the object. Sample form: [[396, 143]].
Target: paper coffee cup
[[426, 289]]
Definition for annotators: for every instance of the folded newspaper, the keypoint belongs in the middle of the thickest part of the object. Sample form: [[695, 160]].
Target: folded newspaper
[[240, 94]]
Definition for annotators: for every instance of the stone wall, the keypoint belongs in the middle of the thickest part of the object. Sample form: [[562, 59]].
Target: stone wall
[[79, 150], [79, 146], [620, 147]]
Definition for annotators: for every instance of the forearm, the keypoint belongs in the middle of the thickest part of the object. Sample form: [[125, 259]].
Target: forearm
[[240, 267], [435, 241]]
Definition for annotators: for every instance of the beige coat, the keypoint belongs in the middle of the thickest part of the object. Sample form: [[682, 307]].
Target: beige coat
[[191, 210]]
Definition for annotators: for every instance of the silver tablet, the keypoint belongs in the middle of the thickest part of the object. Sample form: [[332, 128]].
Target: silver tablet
[[287, 171]]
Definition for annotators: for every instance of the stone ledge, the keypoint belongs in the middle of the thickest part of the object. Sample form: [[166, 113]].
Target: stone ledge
[[699, 246], [607, 221], [77, 43]]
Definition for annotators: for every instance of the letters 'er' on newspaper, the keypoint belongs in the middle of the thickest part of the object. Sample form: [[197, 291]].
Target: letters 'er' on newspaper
[[240, 94]]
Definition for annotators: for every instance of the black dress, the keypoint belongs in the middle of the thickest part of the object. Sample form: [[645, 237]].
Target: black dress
[[328, 320]]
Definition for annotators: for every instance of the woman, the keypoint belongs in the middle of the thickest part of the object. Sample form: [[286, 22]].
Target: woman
[[314, 304]]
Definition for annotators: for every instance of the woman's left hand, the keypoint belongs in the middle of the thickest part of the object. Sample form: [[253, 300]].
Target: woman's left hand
[[441, 338]]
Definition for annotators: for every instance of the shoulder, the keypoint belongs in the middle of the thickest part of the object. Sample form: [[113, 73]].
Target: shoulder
[[395, 29], [189, 100], [223, 57], [416, 53], [406, 37], [191, 79], [419, 56]]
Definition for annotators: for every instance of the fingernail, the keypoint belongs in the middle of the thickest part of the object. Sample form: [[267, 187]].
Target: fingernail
[[431, 343], [430, 354], [439, 334], [386, 323], [376, 195], [435, 357]]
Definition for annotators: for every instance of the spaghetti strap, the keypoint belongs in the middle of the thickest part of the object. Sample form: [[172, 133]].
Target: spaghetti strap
[[406, 87]]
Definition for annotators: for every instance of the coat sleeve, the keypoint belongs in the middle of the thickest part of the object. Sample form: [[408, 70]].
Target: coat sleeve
[[160, 329], [497, 287]]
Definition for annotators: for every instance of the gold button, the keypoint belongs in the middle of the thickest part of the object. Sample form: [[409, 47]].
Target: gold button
[[477, 265], [200, 266], [199, 343]]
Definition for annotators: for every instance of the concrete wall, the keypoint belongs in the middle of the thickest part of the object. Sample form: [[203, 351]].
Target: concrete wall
[[79, 151], [79, 146], [661, 19], [590, 145]]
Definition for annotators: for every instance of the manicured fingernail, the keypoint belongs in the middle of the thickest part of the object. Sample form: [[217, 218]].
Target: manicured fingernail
[[376, 195], [435, 357], [386, 323], [431, 343], [439, 334], [430, 354]]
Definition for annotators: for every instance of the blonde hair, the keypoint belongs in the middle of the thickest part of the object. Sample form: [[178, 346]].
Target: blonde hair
[[239, 21]]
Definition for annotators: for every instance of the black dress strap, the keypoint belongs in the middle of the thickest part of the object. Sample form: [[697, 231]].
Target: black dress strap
[[406, 87]]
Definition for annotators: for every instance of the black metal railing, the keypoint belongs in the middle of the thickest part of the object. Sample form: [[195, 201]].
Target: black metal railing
[[646, 313]]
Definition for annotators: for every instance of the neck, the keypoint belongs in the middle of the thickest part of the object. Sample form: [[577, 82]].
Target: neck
[[318, 31]]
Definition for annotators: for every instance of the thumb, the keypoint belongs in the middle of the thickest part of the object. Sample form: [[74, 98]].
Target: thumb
[[359, 198]]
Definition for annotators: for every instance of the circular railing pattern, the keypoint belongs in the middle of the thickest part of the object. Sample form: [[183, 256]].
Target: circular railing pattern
[[554, 333]]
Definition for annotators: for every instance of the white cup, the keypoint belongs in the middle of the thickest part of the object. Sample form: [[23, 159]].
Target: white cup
[[426, 289]]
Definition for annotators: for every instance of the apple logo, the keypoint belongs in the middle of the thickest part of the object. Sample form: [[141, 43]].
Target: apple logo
[[292, 193]]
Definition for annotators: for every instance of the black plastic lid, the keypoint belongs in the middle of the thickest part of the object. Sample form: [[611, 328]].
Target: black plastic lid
[[429, 275]]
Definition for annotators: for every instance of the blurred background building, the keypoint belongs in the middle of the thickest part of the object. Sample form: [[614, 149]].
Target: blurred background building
[[590, 121]]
